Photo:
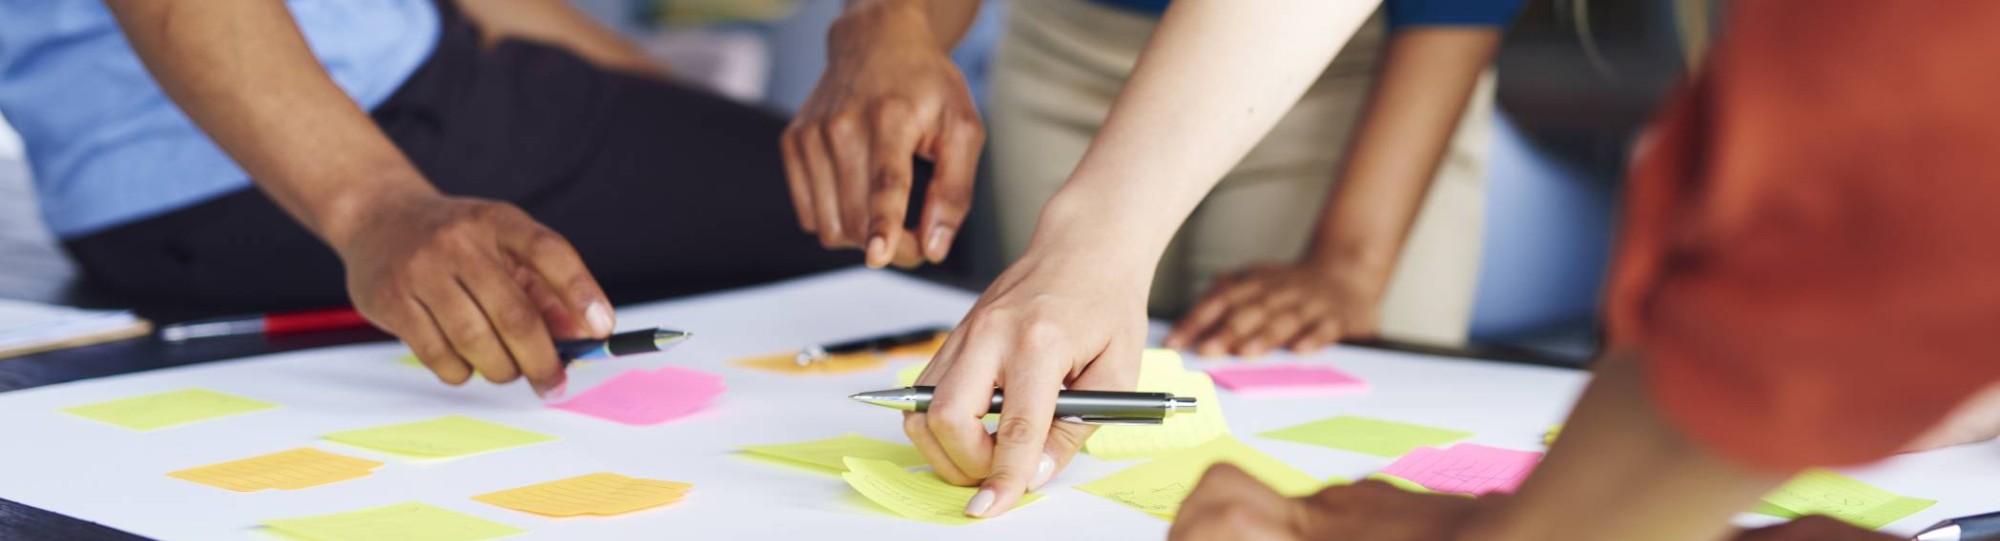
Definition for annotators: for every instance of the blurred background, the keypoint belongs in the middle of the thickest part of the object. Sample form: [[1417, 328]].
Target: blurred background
[[1576, 80]]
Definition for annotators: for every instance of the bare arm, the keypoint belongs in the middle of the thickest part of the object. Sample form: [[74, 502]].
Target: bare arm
[[1336, 290], [468, 284]]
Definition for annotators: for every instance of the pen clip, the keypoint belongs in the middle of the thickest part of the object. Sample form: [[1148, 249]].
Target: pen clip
[[1111, 421]]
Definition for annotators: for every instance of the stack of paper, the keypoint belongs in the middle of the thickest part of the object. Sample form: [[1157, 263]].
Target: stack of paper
[[1160, 371], [600, 494], [1158, 487], [1287, 380], [1370, 436], [30, 327], [443, 437], [641, 397], [304, 467], [1465, 468], [1822, 492], [914, 495]]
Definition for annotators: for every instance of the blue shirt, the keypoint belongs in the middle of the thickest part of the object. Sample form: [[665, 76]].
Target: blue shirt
[[1402, 13], [106, 145]]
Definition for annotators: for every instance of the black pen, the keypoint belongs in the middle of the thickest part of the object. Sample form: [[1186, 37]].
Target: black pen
[[619, 345], [814, 354], [1984, 527]]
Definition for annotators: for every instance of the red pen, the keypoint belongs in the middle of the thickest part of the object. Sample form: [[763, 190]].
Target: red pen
[[268, 325]]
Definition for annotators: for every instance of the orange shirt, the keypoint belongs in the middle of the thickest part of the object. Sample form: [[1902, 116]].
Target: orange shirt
[[1809, 263]]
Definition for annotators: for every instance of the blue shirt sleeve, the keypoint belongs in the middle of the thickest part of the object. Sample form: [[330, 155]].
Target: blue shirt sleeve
[[1408, 13]]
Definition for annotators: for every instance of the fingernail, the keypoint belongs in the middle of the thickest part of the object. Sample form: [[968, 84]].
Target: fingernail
[[1043, 472], [599, 316], [878, 251], [938, 243], [555, 393], [980, 503]]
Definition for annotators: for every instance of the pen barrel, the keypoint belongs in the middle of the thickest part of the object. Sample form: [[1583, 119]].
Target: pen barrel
[[1104, 404], [1980, 528]]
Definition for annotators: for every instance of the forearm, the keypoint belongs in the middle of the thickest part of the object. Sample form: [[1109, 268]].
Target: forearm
[[1217, 75], [241, 70], [1420, 93], [558, 23], [944, 21], [1619, 471]]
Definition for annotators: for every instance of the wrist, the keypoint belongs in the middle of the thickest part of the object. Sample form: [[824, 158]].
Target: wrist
[[1100, 227], [345, 215], [1368, 267], [872, 23]]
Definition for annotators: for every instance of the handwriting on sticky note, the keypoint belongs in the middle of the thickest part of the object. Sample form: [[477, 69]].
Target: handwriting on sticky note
[[299, 468], [161, 410], [600, 494], [1158, 486], [1824, 492], [918, 496], [1465, 468], [1363, 435], [640, 397], [830, 454], [410, 521], [1160, 370], [1287, 379], [442, 437], [787, 363]]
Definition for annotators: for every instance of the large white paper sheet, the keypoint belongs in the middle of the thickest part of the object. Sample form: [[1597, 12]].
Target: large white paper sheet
[[114, 476]]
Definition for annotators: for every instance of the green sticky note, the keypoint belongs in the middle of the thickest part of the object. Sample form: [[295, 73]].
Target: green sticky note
[[1370, 436], [829, 455], [918, 496], [1823, 492], [1158, 487], [442, 437], [410, 521], [161, 410]]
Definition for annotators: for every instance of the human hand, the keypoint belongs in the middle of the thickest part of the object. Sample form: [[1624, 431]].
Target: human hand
[[472, 284], [1230, 504], [1977, 420], [1047, 323], [889, 93], [1303, 307], [1814, 528]]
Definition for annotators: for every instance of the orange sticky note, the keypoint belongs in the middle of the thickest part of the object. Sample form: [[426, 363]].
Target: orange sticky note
[[304, 467], [601, 494], [787, 363]]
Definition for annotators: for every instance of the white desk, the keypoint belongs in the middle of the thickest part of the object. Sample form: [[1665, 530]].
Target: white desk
[[114, 476]]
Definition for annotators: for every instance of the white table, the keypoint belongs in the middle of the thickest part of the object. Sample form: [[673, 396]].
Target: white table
[[114, 476]]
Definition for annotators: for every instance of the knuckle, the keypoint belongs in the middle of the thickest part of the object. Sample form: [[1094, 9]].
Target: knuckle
[[1016, 430], [915, 426], [894, 112], [843, 127], [1042, 333]]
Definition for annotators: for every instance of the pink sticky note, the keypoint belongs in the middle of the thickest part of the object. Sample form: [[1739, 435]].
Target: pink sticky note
[[1287, 379], [1466, 468], [640, 397]]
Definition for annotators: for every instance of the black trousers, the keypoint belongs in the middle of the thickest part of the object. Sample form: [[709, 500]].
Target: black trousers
[[663, 189]]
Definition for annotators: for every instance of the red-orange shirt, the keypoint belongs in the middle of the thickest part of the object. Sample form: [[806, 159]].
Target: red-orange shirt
[[1809, 263]]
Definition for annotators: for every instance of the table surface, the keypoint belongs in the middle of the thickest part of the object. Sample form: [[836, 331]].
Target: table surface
[[72, 464]]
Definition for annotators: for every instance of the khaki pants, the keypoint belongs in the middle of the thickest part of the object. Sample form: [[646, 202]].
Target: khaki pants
[[1060, 66]]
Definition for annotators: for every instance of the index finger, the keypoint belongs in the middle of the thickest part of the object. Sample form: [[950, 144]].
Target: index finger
[[1025, 418], [551, 257], [889, 196], [956, 151]]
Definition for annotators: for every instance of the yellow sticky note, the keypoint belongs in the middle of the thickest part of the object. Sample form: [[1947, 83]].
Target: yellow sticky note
[[1371, 436], [1823, 492], [442, 437], [1157, 487], [1160, 371], [1550, 438], [161, 410], [914, 495], [787, 363], [830, 454], [601, 494], [908, 375], [303, 467], [410, 521]]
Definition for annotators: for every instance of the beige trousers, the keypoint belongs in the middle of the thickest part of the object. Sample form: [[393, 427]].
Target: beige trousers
[[1060, 65]]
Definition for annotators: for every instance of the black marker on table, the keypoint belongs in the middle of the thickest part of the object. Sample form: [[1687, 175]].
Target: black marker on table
[[619, 345], [1984, 527], [815, 354]]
